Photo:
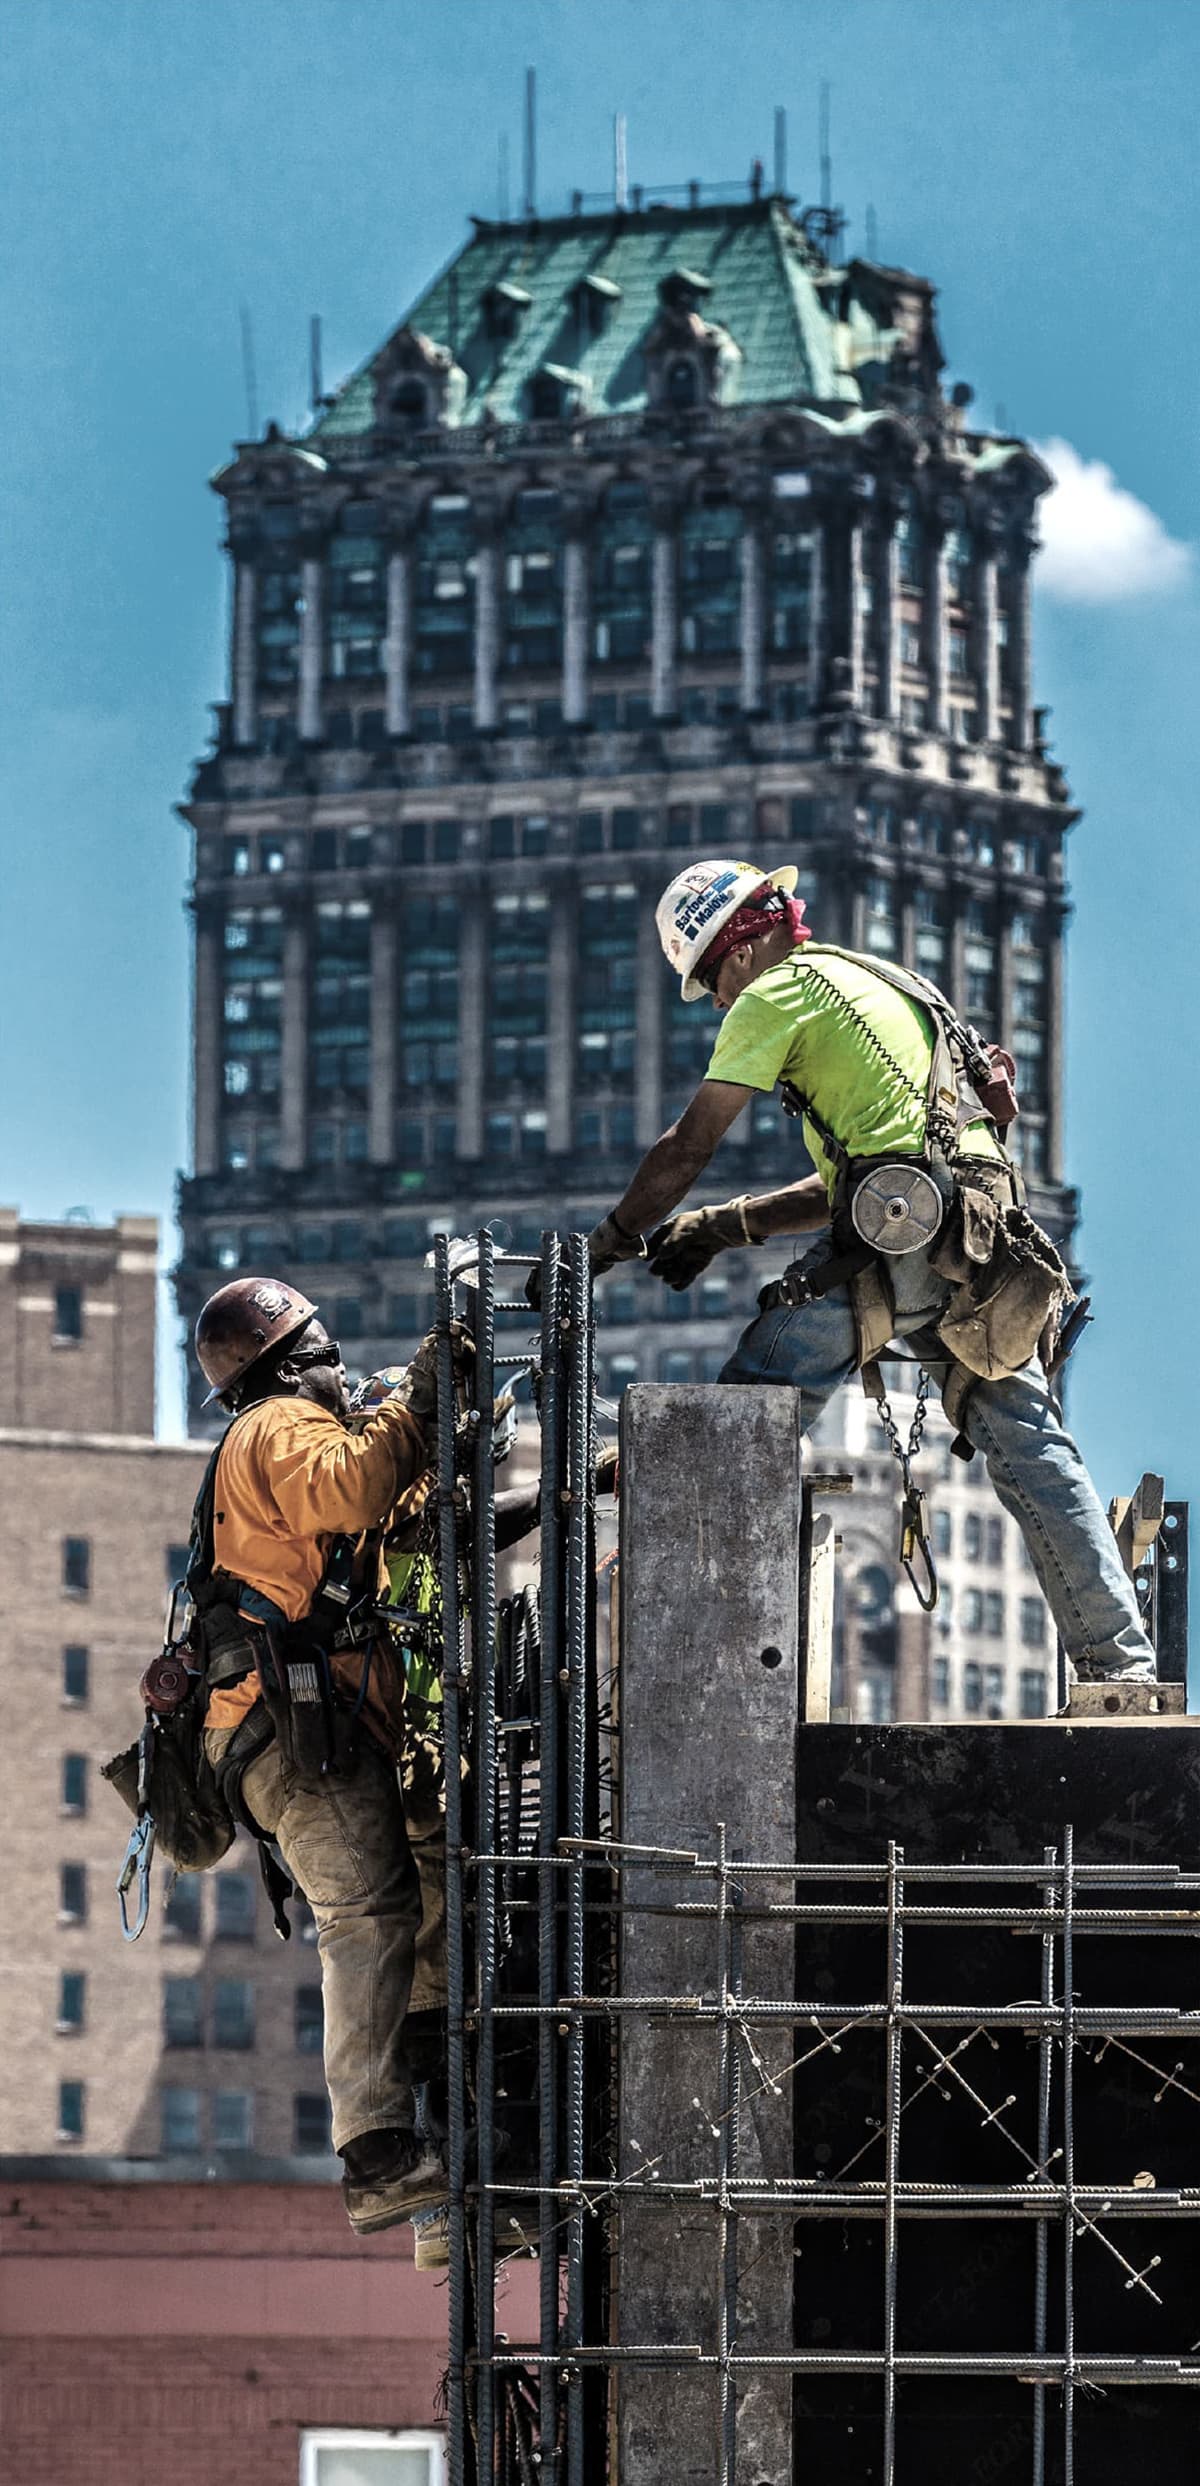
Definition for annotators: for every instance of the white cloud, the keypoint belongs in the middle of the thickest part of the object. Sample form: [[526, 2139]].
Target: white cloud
[[1102, 545]]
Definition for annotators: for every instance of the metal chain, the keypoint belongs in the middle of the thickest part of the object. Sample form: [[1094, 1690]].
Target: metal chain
[[914, 1540], [916, 1429]]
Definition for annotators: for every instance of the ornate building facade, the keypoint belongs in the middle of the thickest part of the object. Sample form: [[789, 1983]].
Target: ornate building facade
[[649, 533]]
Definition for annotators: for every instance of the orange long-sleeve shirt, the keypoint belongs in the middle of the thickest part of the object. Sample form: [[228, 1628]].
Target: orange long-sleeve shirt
[[289, 1478]]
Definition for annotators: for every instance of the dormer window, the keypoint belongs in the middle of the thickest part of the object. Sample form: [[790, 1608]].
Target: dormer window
[[408, 403], [683, 289], [683, 386], [555, 393], [595, 298], [504, 306]]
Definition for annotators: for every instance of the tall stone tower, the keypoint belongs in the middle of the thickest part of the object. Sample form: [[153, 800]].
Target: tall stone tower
[[648, 533]]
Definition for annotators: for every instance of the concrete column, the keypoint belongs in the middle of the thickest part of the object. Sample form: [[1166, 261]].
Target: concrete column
[[648, 1114], [957, 945], [937, 650], [384, 1011], [293, 1064], [1020, 639], [754, 609], [397, 647], [664, 661], [576, 623], [887, 609], [560, 1024], [1055, 929], [312, 640], [818, 630], [207, 1027], [487, 626], [711, 1631], [1003, 1031], [472, 966], [987, 636], [244, 667], [855, 617]]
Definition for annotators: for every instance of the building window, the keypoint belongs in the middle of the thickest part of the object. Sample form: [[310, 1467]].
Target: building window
[[310, 2019], [75, 1675], [995, 1540], [232, 2119], [339, 2456], [235, 1907], [310, 2124], [973, 1536], [993, 1614], [72, 1992], [70, 2110], [182, 2024], [1032, 1692], [182, 1912], [972, 1690], [68, 1316], [179, 2121], [72, 1893], [233, 2013], [1033, 1623], [76, 1566], [940, 1682], [74, 1782], [943, 1532], [972, 1615]]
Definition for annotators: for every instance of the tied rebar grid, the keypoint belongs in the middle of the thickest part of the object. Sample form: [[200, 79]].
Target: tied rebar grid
[[1046, 2189]]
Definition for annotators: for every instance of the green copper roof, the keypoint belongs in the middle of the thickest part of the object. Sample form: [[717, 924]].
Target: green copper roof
[[762, 283]]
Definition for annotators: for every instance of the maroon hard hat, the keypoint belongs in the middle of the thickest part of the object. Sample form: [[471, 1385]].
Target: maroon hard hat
[[248, 1318]]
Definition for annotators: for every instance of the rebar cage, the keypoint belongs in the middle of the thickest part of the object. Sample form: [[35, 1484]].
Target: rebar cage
[[912, 2181]]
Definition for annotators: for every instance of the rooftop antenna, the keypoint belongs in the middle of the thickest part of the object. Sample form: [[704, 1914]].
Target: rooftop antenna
[[531, 144], [315, 395], [620, 163], [248, 374], [826, 158], [872, 234], [502, 178], [780, 152]]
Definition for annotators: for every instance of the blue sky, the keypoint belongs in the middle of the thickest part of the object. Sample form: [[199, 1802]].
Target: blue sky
[[167, 160]]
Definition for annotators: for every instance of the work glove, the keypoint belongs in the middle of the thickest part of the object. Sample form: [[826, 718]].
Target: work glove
[[418, 1388], [608, 1243], [685, 1245]]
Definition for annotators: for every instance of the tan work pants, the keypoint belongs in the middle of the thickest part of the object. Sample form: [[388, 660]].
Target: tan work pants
[[348, 1851]]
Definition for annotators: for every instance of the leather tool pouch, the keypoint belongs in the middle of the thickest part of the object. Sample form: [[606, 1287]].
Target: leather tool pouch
[[315, 1733], [1010, 1286]]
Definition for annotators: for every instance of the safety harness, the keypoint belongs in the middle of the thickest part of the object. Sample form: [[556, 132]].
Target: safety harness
[[1010, 1283]]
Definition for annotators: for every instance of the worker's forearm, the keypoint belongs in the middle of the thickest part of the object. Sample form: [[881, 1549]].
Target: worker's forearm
[[800, 1209], [664, 1178]]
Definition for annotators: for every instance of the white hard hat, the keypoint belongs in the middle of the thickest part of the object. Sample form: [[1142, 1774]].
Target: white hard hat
[[691, 912]]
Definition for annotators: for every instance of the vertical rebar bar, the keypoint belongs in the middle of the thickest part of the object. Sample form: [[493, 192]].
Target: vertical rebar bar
[[580, 1487], [1042, 2247], [458, 2443], [893, 2072], [548, 1829], [727, 2139], [483, 1684], [1068, 2047]]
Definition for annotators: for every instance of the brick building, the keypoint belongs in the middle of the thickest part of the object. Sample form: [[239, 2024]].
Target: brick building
[[651, 531], [215, 2334], [204, 2037]]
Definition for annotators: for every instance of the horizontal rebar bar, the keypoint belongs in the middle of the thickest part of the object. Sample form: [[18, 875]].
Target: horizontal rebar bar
[[1093, 2368], [1090, 2020]]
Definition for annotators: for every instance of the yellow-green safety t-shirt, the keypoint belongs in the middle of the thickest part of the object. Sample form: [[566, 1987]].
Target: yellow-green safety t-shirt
[[856, 1047]]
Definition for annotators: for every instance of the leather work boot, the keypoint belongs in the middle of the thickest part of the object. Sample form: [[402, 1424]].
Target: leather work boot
[[388, 2175]]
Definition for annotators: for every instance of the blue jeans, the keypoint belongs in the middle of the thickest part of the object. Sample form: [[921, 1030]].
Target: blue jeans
[[1033, 1464]]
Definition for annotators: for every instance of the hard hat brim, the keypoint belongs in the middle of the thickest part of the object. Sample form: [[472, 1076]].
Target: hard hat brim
[[784, 879]]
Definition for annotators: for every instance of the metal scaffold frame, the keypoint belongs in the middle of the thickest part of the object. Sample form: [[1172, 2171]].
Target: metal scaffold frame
[[538, 1896]]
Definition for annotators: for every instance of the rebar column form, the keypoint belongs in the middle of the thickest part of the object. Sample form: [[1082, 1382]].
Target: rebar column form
[[893, 2073], [1068, 2147], [581, 1466], [548, 1830], [459, 2447], [1041, 2281], [483, 1688]]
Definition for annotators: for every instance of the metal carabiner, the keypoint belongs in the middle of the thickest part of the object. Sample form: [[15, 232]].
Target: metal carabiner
[[138, 1858], [914, 1542]]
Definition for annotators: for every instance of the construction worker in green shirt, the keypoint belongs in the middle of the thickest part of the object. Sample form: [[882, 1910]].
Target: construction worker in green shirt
[[928, 1241]]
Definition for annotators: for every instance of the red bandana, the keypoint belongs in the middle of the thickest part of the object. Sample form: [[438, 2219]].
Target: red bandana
[[761, 913]]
